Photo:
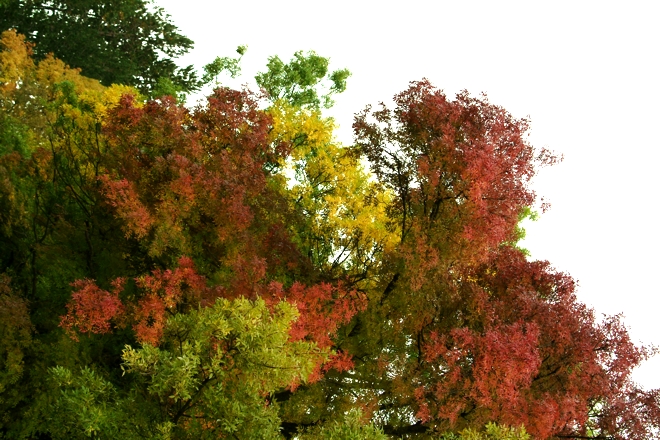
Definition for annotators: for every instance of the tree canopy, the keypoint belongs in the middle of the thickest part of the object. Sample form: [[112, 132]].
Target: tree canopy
[[231, 270], [130, 42]]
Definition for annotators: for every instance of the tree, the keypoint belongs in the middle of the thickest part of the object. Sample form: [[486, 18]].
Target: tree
[[127, 42], [55, 228], [51, 117], [460, 328], [297, 81], [232, 270]]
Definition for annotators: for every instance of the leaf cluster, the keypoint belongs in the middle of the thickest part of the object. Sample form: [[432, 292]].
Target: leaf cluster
[[221, 64], [297, 82]]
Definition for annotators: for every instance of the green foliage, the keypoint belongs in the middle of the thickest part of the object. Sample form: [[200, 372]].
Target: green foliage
[[166, 87], [212, 375], [221, 64], [299, 81], [519, 234], [15, 345], [117, 42], [492, 432], [351, 425], [89, 406], [51, 224]]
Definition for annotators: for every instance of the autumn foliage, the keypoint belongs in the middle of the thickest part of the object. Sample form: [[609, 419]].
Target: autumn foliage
[[232, 270]]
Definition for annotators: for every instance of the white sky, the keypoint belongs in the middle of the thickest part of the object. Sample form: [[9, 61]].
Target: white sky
[[585, 72]]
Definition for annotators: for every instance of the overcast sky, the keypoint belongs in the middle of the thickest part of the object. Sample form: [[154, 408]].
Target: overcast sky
[[586, 73]]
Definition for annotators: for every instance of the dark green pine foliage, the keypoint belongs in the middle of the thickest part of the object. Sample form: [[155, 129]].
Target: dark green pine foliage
[[117, 42]]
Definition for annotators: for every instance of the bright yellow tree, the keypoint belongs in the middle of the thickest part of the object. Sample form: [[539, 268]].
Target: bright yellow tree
[[346, 229]]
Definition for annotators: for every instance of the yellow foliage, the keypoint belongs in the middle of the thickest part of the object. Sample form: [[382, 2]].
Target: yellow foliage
[[51, 71], [18, 73], [110, 97], [15, 58], [304, 128], [42, 95], [347, 226]]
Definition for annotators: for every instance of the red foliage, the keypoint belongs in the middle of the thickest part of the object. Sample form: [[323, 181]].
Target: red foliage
[[150, 316], [177, 176], [193, 183], [92, 309], [323, 309], [187, 182], [121, 195], [183, 285], [479, 333], [459, 168], [168, 290], [498, 338], [531, 354], [502, 362]]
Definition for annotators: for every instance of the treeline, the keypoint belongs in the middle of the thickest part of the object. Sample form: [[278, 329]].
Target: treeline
[[231, 271]]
